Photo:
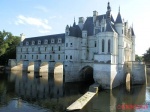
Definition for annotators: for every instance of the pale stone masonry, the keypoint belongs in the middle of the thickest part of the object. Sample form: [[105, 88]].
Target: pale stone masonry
[[97, 42]]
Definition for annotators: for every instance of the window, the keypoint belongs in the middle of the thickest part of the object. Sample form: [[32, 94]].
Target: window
[[59, 48], [66, 44], [32, 49], [45, 41], [70, 57], [45, 56], [27, 43], [70, 44], [66, 56], [20, 56], [50, 57], [95, 43], [59, 40], [26, 49], [103, 45], [45, 48], [37, 57], [52, 40], [58, 57], [39, 42], [109, 45], [122, 31], [24, 56], [33, 42], [102, 29], [32, 56], [21, 49], [52, 48]]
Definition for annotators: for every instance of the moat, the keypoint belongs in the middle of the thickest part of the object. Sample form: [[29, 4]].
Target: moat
[[20, 92]]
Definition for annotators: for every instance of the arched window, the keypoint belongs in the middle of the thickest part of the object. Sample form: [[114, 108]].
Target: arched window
[[109, 45], [103, 45]]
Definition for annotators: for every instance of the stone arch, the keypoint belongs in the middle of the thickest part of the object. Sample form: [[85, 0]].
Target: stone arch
[[87, 73], [58, 68], [43, 67], [17, 66], [31, 67], [58, 73], [128, 81]]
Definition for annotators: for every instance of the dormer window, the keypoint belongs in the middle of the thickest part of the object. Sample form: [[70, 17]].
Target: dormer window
[[39, 42], [59, 40], [52, 40], [27, 43], [45, 41], [33, 42]]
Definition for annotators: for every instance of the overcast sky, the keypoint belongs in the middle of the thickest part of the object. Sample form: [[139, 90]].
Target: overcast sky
[[46, 17]]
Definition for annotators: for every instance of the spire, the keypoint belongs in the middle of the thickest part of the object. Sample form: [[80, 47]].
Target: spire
[[74, 24], [108, 13], [108, 7], [119, 19], [132, 31]]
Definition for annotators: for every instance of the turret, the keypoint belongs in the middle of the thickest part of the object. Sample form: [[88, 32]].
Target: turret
[[67, 30], [22, 37], [95, 14], [119, 24], [81, 22]]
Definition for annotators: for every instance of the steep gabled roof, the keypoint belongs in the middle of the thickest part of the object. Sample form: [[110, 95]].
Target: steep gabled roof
[[110, 27], [89, 26], [75, 31], [118, 19]]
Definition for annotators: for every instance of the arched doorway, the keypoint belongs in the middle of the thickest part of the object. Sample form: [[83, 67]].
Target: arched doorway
[[44, 67], [87, 73]]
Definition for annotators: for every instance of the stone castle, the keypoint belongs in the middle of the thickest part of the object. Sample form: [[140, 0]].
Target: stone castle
[[98, 47]]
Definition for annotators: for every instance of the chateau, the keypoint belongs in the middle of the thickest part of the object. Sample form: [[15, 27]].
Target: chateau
[[99, 42]]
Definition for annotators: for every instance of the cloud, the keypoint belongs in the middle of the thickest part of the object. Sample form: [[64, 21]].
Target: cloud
[[40, 23], [42, 8]]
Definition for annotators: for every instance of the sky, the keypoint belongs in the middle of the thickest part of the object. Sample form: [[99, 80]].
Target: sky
[[45, 17]]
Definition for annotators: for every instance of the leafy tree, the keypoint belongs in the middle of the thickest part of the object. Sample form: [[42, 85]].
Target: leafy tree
[[138, 58], [8, 44], [146, 56]]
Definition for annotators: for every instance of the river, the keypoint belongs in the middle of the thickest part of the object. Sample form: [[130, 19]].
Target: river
[[32, 92]]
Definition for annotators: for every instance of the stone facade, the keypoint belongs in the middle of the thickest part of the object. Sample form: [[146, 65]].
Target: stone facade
[[99, 42]]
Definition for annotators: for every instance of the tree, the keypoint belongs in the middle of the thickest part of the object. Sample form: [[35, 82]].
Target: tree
[[146, 56], [8, 44], [138, 58]]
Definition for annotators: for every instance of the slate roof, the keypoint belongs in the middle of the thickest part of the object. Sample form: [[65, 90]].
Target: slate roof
[[75, 31], [43, 38], [110, 27], [132, 32], [89, 25], [118, 19]]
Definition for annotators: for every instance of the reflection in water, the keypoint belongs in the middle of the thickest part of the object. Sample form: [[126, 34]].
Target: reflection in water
[[50, 92]]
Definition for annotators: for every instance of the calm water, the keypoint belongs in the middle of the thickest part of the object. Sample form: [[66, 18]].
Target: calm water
[[22, 92]]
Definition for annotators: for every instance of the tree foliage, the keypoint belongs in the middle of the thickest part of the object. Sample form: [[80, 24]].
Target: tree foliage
[[138, 58], [8, 44], [146, 56]]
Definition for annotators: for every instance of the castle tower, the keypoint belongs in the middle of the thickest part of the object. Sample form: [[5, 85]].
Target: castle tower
[[119, 25]]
